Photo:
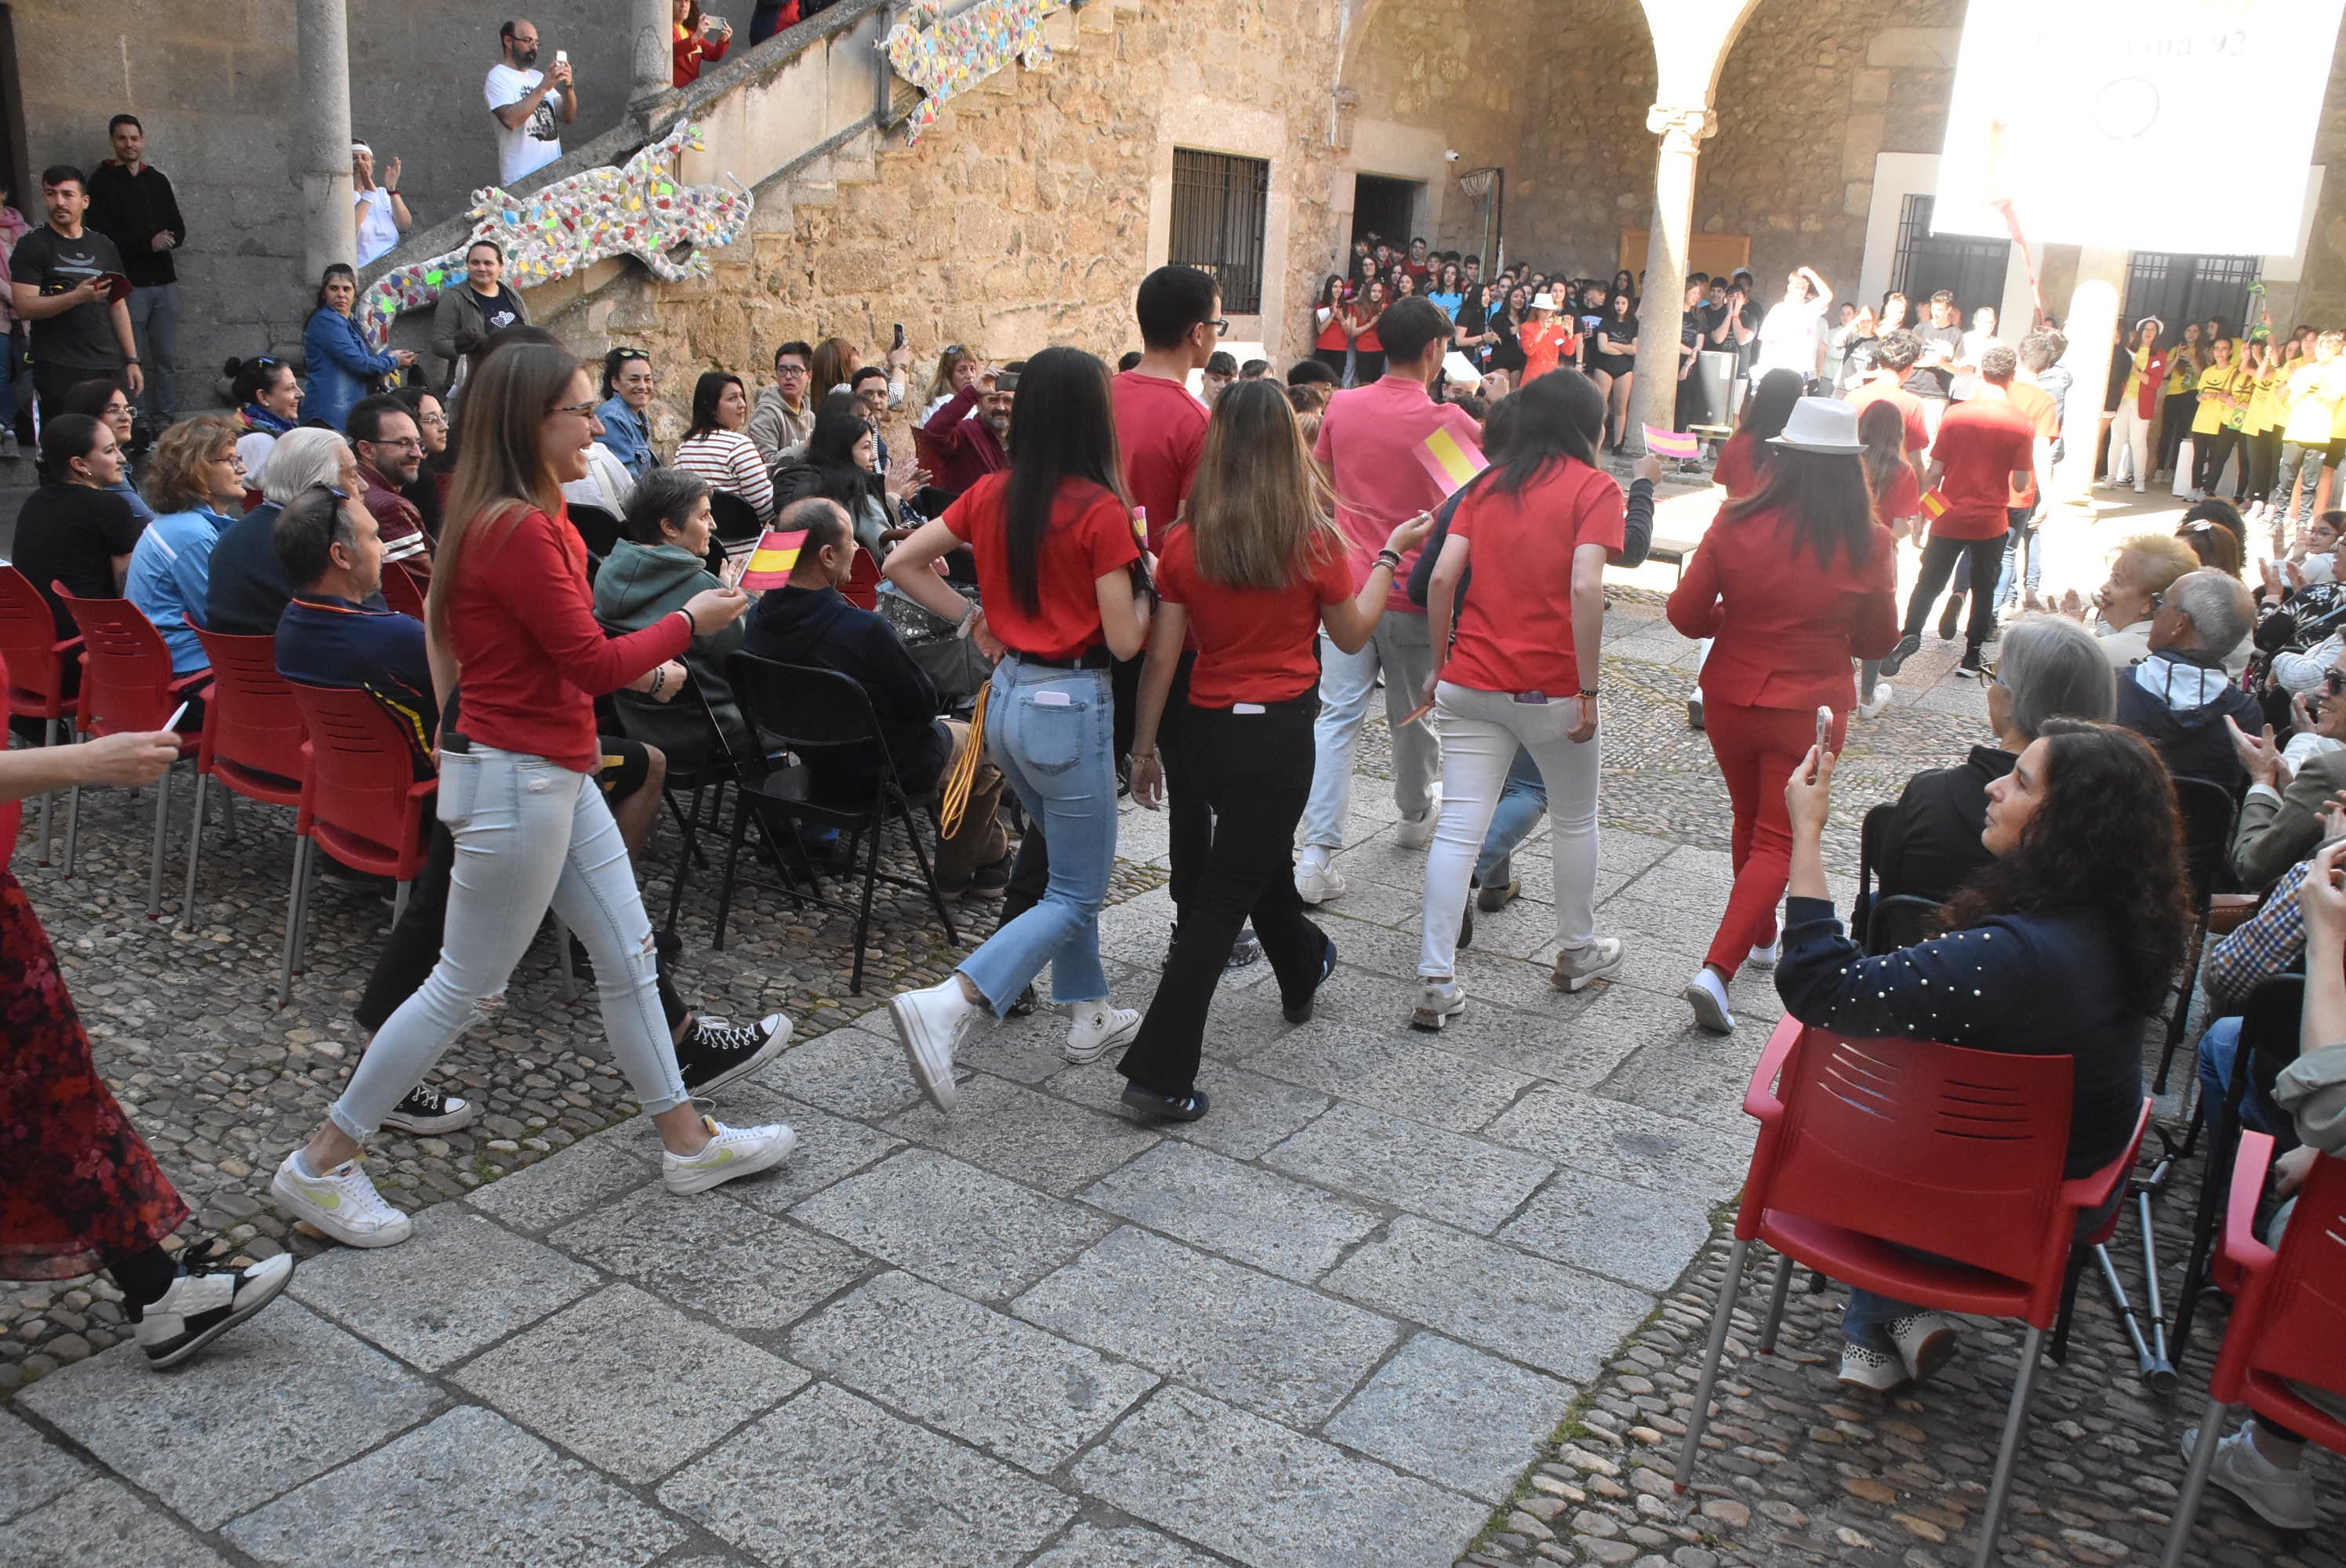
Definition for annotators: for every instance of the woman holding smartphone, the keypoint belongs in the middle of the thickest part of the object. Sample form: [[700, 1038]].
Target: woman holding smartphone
[[509, 610], [1792, 581], [1059, 599]]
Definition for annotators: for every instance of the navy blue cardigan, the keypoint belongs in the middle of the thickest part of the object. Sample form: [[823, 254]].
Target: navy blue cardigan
[[2030, 985]]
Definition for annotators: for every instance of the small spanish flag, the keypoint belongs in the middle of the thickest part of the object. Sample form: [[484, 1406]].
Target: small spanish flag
[[1451, 459], [1934, 505], [1671, 443], [771, 563]]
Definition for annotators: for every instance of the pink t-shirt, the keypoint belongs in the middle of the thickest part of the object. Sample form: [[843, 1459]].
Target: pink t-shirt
[[1369, 442]]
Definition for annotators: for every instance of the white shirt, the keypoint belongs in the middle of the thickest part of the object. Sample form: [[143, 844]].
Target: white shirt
[[378, 231], [608, 485], [254, 446], [538, 140], [1789, 336]]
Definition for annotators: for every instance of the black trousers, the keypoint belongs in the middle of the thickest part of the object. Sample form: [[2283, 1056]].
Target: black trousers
[[1939, 558], [2178, 413], [2213, 452], [2264, 462], [1254, 772]]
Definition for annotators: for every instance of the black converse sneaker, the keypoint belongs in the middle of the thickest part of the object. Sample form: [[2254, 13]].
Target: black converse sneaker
[[427, 1110], [210, 1297], [712, 1056]]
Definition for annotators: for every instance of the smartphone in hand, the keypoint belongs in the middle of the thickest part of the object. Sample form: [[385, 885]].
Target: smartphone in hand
[[898, 341], [1824, 727]]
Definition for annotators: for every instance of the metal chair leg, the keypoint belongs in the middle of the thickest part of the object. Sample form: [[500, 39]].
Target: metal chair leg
[[195, 853], [2194, 1481], [292, 923], [301, 921], [1712, 1351], [154, 854], [1776, 1304], [2015, 1416], [399, 901], [73, 815], [48, 797], [741, 809]]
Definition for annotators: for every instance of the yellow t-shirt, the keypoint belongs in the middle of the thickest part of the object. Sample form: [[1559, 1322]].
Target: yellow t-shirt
[[2140, 363], [2264, 410], [2312, 401], [2217, 383], [2182, 374]]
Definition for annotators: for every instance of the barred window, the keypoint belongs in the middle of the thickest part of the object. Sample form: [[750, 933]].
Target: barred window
[[1220, 203]]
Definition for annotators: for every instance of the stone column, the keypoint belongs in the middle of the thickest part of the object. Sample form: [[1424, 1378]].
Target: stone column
[[323, 148], [2092, 316], [1682, 131], [652, 24]]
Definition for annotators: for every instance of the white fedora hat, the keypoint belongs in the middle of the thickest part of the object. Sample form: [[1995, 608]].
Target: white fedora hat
[[1821, 424], [1541, 302]]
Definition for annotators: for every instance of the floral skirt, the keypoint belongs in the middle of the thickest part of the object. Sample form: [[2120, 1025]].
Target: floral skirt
[[77, 1185]]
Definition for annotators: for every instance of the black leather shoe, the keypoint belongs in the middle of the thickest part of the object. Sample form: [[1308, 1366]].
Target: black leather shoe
[[1185, 1107], [1300, 1012]]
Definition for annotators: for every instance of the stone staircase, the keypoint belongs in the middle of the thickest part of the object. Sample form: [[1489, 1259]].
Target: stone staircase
[[810, 112]]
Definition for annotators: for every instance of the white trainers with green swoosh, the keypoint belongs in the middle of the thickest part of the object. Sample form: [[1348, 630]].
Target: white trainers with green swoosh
[[731, 1153], [342, 1203]]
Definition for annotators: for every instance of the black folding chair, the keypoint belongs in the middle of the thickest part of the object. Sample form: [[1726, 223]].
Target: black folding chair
[[1902, 920], [596, 527], [1871, 836], [2209, 811], [734, 528], [812, 712], [2269, 1043]]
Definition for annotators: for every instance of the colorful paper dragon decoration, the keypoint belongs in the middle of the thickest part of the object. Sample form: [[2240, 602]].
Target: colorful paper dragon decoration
[[639, 209], [954, 54]]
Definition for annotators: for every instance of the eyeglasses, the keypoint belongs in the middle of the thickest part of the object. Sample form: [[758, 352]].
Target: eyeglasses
[[790, 370], [1220, 326], [405, 443], [583, 409], [432, 420]]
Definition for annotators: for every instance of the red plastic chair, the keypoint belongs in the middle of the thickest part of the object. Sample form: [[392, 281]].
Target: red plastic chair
[[360, 799], [38, 664], [252, 737], [2287, 1321], [400, 591], [862, 587], [1875, 1145], [127, 684]]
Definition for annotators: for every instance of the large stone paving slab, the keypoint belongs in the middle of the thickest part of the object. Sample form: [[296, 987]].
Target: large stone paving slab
[[459, 1283], [1038, 1140], [1268, 1496], [32, 1469], [1027, 1396], [287, 1397], [1632, 1234], [628, 1384], [1250, 1112], [967, 1229], [100, 1524], [1128, 1546], [579, 1180], [1460, 1181], [711, 1252], [471, 1487], [1454, 1415], [830, 1147], [1646, 1147], [1540, 1313], [1406, 1076], [831, 1480], [1240, 1336], [1255, 1216]]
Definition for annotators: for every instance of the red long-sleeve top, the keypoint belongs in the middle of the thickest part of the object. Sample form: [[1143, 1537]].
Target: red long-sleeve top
[[535, 659], [1786, 626], [694, 51]]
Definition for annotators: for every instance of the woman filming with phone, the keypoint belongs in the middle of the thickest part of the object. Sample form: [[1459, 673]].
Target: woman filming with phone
[[1793, 581]]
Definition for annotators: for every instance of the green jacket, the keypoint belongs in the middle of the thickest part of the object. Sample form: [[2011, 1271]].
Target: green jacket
[[636, 585]]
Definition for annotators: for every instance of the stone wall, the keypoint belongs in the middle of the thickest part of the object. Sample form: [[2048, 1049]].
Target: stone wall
[[1584, 170], [2319, 294], [1022, 218]]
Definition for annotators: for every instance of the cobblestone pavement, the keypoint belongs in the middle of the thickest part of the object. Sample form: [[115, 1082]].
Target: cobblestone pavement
[[1329, 1324]]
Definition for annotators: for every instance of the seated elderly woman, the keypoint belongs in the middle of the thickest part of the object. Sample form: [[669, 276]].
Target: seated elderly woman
[[2139, 574], [2064, 944], [661, 561], [2047, 668], [196, 480]]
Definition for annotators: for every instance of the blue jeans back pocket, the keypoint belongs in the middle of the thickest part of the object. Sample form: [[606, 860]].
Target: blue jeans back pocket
[[1052, 725]]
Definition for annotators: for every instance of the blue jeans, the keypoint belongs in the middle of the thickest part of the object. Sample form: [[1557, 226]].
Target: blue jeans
[[155, 328], [2220, 1055], [1522, 801], [1866, 1320], [1401, 647], [2023, 535], [1052, 732], [529, 834]]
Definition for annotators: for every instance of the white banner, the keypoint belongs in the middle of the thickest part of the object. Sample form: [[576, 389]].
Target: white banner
[[2142, 125]]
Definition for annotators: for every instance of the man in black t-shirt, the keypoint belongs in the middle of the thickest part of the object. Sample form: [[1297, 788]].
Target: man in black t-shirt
[[60, 281]]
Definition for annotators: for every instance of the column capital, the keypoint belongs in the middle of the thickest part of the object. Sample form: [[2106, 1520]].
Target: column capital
[[1681, 129]]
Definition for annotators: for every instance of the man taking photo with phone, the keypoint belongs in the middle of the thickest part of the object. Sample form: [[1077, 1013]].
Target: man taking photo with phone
[[530, 106], [68, 283]]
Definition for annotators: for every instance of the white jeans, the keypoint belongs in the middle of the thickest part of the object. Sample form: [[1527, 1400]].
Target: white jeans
[[1480, 732], [1402, 647], [2130, 437]]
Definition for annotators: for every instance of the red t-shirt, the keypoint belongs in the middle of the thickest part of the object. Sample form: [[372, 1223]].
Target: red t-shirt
[[1739, 470], [1909, 407], [1160, 430], [1368, 342], [523, 625], [1983, 442], [1090, 535], [1254, 645], [1331, 336], [2034, 404], [1902, 497], [1515, 631]]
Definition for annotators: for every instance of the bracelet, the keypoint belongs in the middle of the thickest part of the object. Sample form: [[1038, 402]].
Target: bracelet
[[659, 679], [1587, 695], [1387, 559], [391, 193]]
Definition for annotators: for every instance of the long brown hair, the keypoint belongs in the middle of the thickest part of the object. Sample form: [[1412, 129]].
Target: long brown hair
[[1259, 507], [1883, 429], [835, 359], [501, 472]]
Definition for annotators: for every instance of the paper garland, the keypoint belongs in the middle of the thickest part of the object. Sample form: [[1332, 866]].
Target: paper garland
[[638, 208], [954, 54]]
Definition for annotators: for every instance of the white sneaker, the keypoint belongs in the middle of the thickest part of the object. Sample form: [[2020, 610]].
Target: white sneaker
[[730, 1153], [1863, 1367], [1438, 1002], [1576, 967], [2283, 1498], [1706, 994], [932, 1022], [342, 1203], [1417, 832], [1766, 957], [1317, 881], [1925, 1340], [1097, 1030], [1884, 693], [208, 1300]]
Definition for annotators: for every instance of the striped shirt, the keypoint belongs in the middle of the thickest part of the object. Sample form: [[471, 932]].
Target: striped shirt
[[728, 461]]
